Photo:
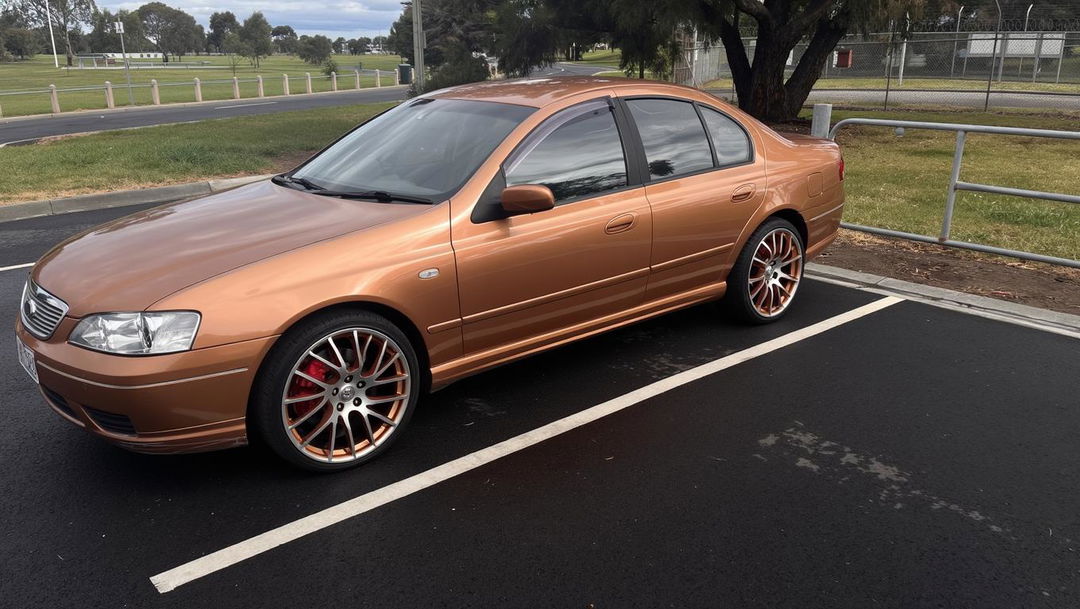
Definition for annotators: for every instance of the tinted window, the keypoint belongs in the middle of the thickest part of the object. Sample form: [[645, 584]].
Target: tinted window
[[675, 142], [425, 148], [728, 138], [575, 154]]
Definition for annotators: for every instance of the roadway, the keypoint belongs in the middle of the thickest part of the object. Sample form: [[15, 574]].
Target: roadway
[[29, 129], [910, 457]]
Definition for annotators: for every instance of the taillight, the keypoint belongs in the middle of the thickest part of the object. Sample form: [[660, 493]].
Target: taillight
[[840, 165]]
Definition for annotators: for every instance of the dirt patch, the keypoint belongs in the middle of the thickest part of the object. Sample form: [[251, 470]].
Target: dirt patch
[[1031, 283]]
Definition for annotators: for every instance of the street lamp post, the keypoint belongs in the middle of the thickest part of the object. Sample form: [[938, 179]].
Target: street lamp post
[[48, 19], [119, 25], [418, 45], [990, 78], [1027, 15], [956, 39]]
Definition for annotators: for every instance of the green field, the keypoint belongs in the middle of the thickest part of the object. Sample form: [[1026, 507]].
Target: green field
[[901, 182], [892, 182], [176, 84]]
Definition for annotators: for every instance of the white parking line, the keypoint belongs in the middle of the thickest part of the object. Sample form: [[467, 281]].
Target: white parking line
[[244, 105], [16, 266], [216, 561]]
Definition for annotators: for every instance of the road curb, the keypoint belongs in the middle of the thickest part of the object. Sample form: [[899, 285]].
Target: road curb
[[122, 198], [1044, 319]]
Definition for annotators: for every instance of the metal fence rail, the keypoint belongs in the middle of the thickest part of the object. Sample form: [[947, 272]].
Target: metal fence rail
[[956, 184]]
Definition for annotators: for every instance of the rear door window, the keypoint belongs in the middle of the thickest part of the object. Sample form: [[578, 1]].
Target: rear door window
[[673, 136]]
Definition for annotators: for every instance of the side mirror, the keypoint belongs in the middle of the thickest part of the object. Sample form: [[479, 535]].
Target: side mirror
[[527, 199]]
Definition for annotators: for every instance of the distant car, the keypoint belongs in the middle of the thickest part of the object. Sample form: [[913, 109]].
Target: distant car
[[453, 233]]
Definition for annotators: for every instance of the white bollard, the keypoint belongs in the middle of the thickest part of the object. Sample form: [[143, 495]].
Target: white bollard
[[155, 92], [110, 101], [285, 84], [235, 88], [397, 77], [262, 92], [356, 73], [307, 75], [54, 99], [198, 90], [333, 81], [378, 81], [819, 126]]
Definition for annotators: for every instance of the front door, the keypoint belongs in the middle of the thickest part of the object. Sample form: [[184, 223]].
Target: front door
[[523, 279]]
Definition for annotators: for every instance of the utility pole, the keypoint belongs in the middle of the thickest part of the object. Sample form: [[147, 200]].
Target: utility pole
[[990, 79], [1027, 16], [127, 68], [419, 42], [48, 18]]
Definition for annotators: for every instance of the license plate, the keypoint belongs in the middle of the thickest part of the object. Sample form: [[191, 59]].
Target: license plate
[[26, 358]]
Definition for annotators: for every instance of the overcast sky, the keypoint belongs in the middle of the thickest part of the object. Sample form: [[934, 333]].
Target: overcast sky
[[332, 18]]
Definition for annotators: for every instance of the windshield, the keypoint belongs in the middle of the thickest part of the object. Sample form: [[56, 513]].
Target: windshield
[[423, 148]]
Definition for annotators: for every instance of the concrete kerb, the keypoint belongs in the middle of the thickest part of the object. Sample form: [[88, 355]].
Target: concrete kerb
[[1043, 319], [159, 194]]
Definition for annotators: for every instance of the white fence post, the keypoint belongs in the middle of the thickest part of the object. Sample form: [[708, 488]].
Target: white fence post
[[357, 74], [819, 126], [110, 101], [262, 92], [307, 75], [378, 82], [235, 88], [155, 92], [54, 99], [333, 81], [285, 84], [397, 77], [198, 90]]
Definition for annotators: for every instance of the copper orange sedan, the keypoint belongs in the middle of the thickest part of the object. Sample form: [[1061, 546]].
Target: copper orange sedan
[[455, 232]]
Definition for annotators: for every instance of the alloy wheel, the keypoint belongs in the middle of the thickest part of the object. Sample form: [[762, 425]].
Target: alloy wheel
[[346, 395], [775, 272]]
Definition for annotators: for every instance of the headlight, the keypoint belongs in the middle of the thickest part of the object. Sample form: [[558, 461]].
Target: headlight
[[147, 333]]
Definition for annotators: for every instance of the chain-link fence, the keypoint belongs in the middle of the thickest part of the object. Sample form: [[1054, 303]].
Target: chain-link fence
[[1037, 69]]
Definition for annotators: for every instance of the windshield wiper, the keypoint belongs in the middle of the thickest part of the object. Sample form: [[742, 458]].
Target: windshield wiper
[[381, 196], [284, 180]]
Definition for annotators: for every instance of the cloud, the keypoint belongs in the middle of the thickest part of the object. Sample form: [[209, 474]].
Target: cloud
[[333, 19]]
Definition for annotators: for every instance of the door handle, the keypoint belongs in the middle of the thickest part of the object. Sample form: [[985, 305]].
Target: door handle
[[619, 224], [743, 193]]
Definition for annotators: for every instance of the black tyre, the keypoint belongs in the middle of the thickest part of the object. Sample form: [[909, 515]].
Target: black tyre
[[336, 390], [766, 276]]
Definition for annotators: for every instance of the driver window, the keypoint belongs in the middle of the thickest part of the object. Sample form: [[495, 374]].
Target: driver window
[[577, 153]]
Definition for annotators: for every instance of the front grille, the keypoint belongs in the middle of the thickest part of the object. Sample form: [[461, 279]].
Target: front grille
[[58, 401], [41, 311], [115, 423]]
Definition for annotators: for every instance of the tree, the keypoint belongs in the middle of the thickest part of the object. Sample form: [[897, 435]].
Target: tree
[[379, 41], [314, 49], [66, 17], [256, 35], [170, 30], [235, 50], [285, 38], [220, 25], [341, 46], [16, 37]]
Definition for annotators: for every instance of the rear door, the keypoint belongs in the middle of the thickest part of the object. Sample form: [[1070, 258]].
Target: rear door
[[703, 185]]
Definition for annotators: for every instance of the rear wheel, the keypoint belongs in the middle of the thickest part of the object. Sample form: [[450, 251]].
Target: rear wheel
[[336, 390], [766, 276]]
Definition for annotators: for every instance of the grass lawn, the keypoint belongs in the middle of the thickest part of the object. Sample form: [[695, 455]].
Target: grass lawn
[[892, 182], [901, 182], [601, 58], [177, 84], [119, 160]]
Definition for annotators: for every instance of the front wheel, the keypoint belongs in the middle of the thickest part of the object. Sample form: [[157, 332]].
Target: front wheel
[[336, 390], [766, 275]]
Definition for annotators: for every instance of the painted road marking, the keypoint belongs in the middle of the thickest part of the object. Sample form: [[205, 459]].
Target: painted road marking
[[17, 266], [226, 557], [244, 105]]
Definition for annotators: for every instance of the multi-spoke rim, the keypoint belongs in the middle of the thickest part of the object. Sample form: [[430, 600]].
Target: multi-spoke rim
[[775, 272], [346, 395]]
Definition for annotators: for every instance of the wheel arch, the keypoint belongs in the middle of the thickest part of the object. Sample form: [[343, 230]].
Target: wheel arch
[[794, 217]]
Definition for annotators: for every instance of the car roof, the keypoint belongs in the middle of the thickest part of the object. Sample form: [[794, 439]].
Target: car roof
[[543, 90]]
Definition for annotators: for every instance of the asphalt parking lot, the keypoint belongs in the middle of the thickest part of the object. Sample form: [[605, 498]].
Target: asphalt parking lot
[[910, 457]]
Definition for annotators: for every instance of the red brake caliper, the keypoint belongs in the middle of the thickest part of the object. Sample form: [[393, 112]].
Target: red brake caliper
[[301, 386]]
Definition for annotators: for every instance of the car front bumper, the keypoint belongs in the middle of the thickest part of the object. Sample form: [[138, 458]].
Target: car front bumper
[[192, 401]]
